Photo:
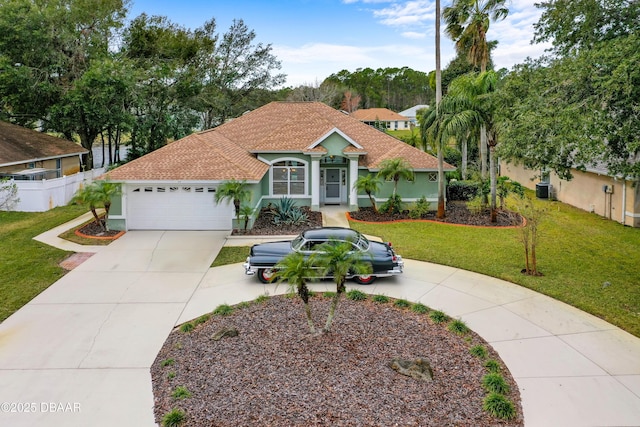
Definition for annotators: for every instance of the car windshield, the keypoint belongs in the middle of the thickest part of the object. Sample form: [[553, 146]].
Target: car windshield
[[297, 242], [362, 243]]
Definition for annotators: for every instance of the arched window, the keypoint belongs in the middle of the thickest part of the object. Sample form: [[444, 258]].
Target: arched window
[[289, 178]]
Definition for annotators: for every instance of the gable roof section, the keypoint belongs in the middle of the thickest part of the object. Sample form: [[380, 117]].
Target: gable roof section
[[381, 114], [21, 145], [203, 156], [230, 150]]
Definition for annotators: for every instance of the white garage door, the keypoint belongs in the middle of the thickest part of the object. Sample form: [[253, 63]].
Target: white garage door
[[176, 207]]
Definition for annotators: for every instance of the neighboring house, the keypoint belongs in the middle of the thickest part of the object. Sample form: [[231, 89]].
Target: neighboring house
[[382, 116], [307, 151], [593, 190], [26, 154], [412, 113], [45, 169]]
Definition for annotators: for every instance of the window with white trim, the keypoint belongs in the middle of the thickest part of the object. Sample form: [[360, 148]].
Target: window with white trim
[[288, 177], [432, 176]]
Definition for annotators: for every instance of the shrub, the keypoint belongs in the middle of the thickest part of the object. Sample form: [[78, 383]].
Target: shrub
[[201, 319], [475, 206], [262, 299], [495, 383], [167, 362], [393, 205], [419, 308], [492, 366], [223, 310], [459, 327], [187, 327], [438, 316], [171, 375], [356, 295], [382, 299], [173, 418], [420, 209], [463, 190], [180, 393], [402, 303], [499, 406], [479, 351], [287, 213]]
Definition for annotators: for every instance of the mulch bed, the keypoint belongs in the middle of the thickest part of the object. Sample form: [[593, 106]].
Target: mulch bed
[[456, 213], [92, 229], [274, 373], [264, 225]]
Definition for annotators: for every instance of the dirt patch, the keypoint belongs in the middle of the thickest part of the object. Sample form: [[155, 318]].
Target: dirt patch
[[274, 373]]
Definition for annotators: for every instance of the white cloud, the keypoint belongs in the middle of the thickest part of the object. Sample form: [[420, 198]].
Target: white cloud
[[412, 12], [414, 35]]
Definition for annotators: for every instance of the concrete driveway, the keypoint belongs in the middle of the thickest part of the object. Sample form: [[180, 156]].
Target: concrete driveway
[[79, 354]]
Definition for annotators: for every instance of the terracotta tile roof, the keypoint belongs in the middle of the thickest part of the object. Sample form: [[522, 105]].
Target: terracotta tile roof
[[20, 145], [229, 151], [373, 114]]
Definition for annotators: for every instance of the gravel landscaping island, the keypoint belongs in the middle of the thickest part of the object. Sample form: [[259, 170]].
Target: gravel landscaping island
[[275, 373]]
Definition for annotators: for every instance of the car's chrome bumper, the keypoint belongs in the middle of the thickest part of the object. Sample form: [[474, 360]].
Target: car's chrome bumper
[[397, 269], [249, 270]]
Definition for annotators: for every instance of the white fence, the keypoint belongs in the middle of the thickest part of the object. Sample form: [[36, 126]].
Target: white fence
[[40, 196]]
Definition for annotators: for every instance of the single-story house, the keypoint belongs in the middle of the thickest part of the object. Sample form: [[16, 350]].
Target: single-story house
[[306, 151], [26, 154], [382, 116], [412, 113], [593, 190]]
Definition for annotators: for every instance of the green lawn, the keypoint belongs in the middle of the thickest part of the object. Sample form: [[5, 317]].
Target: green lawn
[[586, 261], [28, 267]]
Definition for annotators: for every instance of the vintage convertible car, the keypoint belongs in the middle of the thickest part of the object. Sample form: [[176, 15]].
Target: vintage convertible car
[[384, 261]]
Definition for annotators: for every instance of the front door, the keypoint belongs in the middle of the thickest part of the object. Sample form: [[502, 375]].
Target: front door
[[332, 186]]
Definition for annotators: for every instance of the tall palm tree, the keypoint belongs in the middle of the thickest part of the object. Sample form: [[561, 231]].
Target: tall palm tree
[[441, 208], [296, 269], [467, 23], [235, 191], [432, 136], [468, 106], [338, 259], [395, 169], [370, 184]]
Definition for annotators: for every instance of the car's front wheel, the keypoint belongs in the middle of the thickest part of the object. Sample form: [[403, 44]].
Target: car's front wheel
[[265, 275], [366, 279]]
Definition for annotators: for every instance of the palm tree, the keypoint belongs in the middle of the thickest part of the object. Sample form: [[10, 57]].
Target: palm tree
[[395, 169], [467, 107], [96, 194], [296, 269], [441, 208], [235, 191], [339, 259], [431, 129], [370, 184], [467, 23]]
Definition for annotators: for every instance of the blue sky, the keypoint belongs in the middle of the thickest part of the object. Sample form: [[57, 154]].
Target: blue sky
[[314, 38]]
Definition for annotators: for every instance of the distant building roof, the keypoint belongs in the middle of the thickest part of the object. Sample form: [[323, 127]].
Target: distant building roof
[[413, 111], [380, 114], [21, 145]]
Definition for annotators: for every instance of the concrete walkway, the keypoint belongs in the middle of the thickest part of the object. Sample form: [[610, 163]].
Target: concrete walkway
[[79, 354]]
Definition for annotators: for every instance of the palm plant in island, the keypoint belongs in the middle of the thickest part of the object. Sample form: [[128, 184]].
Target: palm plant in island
[[338, 259], [369, 184], [95, 195], [234, 191], [296, 269]]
